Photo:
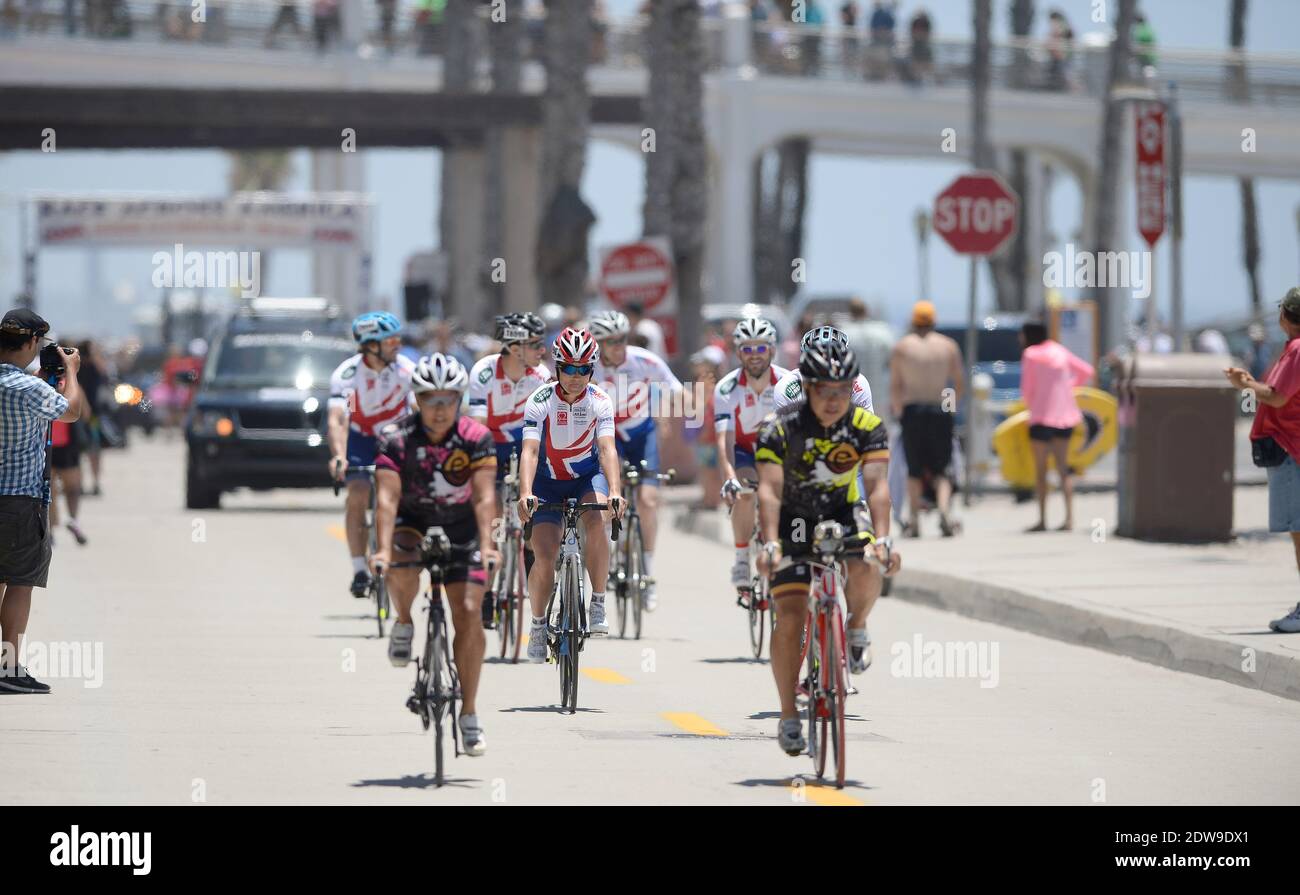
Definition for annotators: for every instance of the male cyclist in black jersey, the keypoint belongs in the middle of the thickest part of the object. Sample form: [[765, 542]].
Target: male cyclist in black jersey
[[808, 459], [437, 467]]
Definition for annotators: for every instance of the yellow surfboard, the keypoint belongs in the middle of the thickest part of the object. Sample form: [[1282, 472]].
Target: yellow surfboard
[[1092, 439]]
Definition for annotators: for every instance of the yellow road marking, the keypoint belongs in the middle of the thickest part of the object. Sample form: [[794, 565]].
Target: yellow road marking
[[606, 676], [337, 531], [693, 723], [824, 795]]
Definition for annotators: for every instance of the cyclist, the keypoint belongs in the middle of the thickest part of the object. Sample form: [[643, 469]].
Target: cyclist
[[437, 467], [789, 389], [635, 377], [367, 391], [742, 400], [809, 455], [568, 453], [499, 386]]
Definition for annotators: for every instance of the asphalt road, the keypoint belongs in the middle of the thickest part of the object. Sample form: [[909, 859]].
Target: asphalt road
[[235, 668]]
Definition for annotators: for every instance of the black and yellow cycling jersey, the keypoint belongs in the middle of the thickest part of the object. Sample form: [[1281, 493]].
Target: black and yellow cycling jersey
[[821, 462]]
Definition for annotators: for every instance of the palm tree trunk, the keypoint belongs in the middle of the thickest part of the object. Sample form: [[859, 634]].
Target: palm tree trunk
[[506, 47], [690, 186], [1239, 85], [1010, 270], [1106, 177]]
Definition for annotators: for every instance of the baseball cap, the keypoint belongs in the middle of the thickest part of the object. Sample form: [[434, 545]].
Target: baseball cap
[[24, 322], [1291, 301], [923, 314]]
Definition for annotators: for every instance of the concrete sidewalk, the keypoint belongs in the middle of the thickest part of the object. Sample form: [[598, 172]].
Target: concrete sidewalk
[[1199, 609]]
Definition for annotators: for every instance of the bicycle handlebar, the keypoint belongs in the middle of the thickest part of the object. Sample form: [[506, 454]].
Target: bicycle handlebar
[[571, 506], [338, 483]]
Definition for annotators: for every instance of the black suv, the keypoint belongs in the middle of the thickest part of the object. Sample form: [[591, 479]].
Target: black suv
[[259, 418]]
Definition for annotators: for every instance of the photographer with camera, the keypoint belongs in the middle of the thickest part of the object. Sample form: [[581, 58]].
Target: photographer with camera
[[28, 405]]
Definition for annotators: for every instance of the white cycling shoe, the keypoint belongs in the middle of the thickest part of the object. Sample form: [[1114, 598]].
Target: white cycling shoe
[[740, 574], [649, 600], [1288, 624], [596, 624], [537, 644], [859, 650], [789, 736], [471, 735], [399, 644]]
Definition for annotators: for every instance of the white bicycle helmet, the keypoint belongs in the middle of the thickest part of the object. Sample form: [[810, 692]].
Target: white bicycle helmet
[[609, 325], [754, 329], [439, 373], [820, 334]]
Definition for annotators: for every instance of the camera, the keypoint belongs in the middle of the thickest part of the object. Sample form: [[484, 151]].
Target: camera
[[52, 366]]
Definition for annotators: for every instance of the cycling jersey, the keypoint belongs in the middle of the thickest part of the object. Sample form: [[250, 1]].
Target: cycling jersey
[[498, 401], [436, 478], [821, 463], [737, 409], [568, 432], [642, 377], [790, 390], [372, 399]]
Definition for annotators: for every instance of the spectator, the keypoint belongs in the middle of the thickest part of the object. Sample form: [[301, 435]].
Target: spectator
[[27, 405], [387, 20], [285, 16], [1275, 435], [849, 36], [1258, 359], [1211, 341], [325, 22], [922, 53], [706, 369], [645, 326], [428, 22], [1060, 50], [881, 54], [65, 468], [872, 341], [789, 352], [1049, 374], [93, 379], [447, 340]]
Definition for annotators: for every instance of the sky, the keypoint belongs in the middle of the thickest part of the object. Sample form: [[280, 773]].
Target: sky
[[859, 236]]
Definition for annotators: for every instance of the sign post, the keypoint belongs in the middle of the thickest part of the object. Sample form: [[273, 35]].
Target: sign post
[[977, 215]]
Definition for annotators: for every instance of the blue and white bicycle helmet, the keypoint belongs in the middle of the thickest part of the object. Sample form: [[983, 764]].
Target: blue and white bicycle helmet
[[375, 326]]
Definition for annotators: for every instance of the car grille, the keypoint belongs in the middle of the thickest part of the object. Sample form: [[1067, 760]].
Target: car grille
[[278, 418]]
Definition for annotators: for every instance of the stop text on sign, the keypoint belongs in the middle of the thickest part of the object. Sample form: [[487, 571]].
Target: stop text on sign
[[969, 214]]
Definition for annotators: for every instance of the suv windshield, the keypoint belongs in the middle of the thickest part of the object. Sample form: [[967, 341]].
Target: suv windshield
[[1002, 343], [277, 360]]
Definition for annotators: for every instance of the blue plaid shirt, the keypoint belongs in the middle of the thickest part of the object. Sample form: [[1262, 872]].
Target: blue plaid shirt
[[27, 406]]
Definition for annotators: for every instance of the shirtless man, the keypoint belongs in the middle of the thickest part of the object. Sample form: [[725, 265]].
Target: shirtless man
[[922, 365]]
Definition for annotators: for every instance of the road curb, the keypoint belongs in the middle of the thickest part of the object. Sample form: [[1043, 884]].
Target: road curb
[[1150, 642]]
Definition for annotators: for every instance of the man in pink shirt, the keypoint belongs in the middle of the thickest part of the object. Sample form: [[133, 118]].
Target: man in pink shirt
[[1277, 418], [1049, 373]]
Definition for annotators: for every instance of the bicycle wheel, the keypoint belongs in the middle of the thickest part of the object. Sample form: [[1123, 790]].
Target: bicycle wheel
[[563, 622], [380, 594], [816, 733], [503, 603], [622, 582], [837, 691], [636, 574], [518, 597], [574, 631], [757, 594], [437, 691]]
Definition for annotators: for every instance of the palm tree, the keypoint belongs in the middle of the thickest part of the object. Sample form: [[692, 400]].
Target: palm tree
[[505, 47], [1010, 275], [1239, 86], [458, 60], [676, 172], [1106, 178], [566, 121]]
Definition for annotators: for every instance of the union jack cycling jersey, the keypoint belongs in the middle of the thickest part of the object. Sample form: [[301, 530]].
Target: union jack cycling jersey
[[642, 376], [568, 432], [372, 399], [790, 391], [737, 409], [497, 401]]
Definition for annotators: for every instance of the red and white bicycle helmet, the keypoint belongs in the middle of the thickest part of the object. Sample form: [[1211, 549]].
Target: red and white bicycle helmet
[[575, 346], [439, 373]]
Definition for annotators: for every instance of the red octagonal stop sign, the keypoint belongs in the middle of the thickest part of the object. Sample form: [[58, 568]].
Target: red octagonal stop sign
[[977, 213]]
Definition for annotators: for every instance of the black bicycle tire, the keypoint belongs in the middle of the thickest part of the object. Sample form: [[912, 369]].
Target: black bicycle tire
[[621, 587], [519, 600], [503, 617], [574, 632], [838, 693], [435, 679], [814, 748], [756, 620], [636, 584]]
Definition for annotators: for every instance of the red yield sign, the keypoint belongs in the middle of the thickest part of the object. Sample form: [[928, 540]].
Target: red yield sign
[[977, 213]]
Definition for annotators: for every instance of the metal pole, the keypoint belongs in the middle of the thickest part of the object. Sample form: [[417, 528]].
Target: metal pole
[[28, 297], [969, 363], [1176, 217]]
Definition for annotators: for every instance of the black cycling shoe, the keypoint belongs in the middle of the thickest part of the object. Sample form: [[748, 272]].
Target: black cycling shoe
[[489, 612], [361, 584]]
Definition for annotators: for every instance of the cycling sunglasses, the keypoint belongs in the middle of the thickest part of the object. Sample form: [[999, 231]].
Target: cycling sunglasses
[[754, 349], [534, 345], [618, 340], [576, 370], [432, 400]]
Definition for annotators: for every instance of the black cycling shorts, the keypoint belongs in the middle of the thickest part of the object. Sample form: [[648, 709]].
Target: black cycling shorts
[[408, 531], [796, 544], [927, 439]]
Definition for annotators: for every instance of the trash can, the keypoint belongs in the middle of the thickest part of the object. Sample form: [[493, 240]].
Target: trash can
[[1177, 417]]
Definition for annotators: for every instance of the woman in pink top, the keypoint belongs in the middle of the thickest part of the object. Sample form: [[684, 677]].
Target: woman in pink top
[[1049, 373]]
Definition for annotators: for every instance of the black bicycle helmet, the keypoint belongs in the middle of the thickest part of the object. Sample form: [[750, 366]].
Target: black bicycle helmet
[[828, 362]]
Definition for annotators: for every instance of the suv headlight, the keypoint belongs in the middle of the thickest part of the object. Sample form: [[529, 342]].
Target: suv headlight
[[212, 422]]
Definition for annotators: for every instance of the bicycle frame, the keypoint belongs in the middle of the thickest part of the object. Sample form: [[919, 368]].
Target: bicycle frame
[[755, 598], [378, 592], [509, 584], [627, 571]]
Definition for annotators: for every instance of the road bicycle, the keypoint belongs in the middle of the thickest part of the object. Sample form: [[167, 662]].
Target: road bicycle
[[627, 577], [755, 598], [377, 592], [508, 591]]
